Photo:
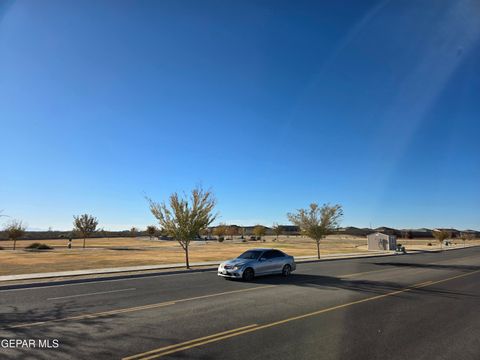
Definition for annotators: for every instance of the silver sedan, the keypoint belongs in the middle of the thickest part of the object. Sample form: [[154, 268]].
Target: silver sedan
[[257, 262]]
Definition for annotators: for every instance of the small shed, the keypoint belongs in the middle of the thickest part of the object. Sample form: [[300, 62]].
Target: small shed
[[379, 241]]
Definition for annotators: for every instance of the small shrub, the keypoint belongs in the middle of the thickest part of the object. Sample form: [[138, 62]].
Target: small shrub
[[44, 247], [38, 246], [33, 246], [221, 238]]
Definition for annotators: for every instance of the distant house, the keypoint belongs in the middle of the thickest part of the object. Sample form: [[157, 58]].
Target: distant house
[[387, 230], [380, 241], [354, 231], [290, 230], [472, 232], [421, 233], [453, 233]]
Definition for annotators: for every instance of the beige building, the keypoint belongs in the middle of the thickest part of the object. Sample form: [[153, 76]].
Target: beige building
[[379, 241]]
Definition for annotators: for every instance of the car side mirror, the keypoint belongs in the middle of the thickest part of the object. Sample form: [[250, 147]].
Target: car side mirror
[[262, 259]]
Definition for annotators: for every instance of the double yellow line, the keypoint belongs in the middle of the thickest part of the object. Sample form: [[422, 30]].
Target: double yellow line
[[192, 343], [157, 353]]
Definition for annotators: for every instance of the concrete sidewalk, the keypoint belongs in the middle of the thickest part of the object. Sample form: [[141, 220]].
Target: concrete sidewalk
[[211, 264]]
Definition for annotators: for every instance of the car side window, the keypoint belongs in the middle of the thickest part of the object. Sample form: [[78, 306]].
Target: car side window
[[271, 254], [268, 254]]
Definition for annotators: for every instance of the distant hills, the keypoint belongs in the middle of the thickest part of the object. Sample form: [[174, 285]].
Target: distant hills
[[248, 231]]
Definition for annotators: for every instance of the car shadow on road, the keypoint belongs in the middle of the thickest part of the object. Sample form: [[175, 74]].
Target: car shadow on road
[[465, 268], [361, 285]]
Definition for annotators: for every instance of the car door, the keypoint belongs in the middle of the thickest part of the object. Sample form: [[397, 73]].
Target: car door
[[264, 263], [277, 261]]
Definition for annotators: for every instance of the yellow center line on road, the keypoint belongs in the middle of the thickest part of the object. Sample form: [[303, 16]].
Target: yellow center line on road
[[157, 353], [224, 293], [132, 309], [366, 272], [384, 270], [187, 343]]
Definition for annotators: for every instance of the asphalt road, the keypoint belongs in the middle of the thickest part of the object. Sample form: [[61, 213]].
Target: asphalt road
[[421, 306]]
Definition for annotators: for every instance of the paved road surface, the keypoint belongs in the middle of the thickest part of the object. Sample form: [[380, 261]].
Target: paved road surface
[[422, 306]]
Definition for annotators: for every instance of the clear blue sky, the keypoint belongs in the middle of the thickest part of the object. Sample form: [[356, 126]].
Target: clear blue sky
[[272, 104]]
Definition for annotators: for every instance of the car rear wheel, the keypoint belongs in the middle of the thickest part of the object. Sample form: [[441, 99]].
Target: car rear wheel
[[287, 270], [248, 274]]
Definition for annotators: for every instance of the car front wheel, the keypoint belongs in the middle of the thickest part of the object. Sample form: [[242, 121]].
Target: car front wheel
[[248, 275], [287, 270]]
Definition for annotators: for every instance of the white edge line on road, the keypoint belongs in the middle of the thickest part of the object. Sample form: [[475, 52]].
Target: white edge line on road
[[94, 293], [98, 281]]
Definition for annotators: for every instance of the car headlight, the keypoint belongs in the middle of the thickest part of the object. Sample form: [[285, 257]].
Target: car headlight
[[237, 267]]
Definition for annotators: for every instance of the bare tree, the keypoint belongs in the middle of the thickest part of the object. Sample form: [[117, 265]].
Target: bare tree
[[277, 230], [151, 231], [232, 231], [14, 229], [259, 231], [441, 236], [466, 236], [317, 222], [133, 231], [85, 224], [185, 217], [241, 231]]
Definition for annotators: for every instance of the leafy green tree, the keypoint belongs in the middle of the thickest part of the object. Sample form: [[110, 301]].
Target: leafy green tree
[[151, 231], [86, 225], [317, 222], [14, 229], [185, 217], [441, 236]]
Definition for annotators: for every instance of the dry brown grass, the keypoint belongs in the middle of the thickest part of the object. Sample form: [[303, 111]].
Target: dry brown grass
[[118, 252]]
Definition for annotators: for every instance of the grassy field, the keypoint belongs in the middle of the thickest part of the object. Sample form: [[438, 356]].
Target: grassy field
[[117, 252]]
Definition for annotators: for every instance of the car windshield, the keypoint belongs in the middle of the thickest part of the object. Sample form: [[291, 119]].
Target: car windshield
[[252, 254]]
